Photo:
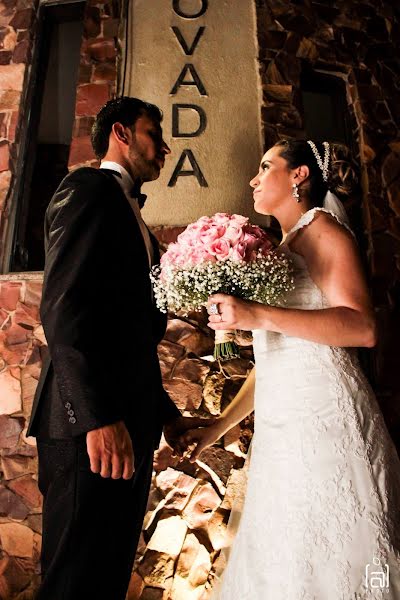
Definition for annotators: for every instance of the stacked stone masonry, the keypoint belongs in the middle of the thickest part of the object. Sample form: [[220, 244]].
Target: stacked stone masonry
[[97, 74], [17, 25], [358, 42], [189, 504]]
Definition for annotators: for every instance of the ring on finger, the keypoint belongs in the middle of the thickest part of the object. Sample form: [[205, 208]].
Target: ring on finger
[[213, 309]]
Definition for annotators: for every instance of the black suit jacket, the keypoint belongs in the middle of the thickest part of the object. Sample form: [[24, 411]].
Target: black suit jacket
[[101, 324]]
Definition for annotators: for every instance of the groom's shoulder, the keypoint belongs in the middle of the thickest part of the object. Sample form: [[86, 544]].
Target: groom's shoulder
[[84, 186], [86, 176]]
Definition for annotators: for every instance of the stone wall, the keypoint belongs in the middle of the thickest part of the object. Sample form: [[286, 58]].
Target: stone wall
[[17, 27], [97, 74], [96, 84], [21, 339], [358, 42], [189, 505]]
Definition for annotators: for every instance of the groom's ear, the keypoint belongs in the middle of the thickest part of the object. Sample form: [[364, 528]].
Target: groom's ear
[[120, 133]]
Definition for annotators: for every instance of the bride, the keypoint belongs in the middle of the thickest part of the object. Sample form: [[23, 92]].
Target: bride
[[321, 517]]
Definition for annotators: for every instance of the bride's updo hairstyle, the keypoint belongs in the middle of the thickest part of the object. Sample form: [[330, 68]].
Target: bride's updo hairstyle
[[342, 172]]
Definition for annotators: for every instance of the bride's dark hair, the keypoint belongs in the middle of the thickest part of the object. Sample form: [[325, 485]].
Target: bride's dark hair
[[342, 175]]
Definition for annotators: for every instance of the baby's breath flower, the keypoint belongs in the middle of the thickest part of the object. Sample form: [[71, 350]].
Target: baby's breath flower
[[267, 280]]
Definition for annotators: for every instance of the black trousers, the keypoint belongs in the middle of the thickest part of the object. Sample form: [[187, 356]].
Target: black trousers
[[91, 525]]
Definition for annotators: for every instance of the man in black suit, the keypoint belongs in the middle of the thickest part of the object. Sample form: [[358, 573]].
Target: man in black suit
[[100, 406]]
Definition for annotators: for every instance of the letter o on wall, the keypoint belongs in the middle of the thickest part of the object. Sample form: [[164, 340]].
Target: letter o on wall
[[177, 9]]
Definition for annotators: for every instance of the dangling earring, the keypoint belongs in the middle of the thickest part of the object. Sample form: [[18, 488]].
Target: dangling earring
[[295, 192]]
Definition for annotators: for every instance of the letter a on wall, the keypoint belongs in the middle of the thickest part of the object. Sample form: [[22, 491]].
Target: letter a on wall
[[194, 171], [196, 81]]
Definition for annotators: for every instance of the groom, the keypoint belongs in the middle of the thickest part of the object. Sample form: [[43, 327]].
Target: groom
[[100, 407]]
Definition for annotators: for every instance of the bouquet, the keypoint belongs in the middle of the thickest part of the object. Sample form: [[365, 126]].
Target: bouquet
[[224, 253]]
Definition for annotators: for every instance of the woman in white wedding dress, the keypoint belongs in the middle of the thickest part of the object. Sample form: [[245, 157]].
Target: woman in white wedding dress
[[321, 517]]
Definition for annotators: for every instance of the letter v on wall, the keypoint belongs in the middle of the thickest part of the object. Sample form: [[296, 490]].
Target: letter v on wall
[[188, 50]]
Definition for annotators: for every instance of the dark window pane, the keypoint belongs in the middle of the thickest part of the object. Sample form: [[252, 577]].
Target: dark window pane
[[325, 108], [322, 118], [49, 130]]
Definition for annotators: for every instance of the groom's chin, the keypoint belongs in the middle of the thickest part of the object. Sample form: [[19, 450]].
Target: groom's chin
[[153, 173]]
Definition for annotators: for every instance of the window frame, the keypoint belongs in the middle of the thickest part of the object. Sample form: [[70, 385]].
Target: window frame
[[14, 257], [315, 80]]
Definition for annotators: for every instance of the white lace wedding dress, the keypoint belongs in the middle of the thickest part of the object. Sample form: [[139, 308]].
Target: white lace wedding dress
[[321, 517]]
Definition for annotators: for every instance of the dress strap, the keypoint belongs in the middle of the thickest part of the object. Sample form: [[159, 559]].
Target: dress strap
[[309, 216]]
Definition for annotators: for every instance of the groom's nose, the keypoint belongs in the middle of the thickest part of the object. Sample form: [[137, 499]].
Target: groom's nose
[[165, 148]]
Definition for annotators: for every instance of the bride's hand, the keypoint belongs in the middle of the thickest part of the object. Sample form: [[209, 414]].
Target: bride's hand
[[235, 313], [196, 440]]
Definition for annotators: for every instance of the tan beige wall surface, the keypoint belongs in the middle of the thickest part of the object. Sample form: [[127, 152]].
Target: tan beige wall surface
[[229, 149]]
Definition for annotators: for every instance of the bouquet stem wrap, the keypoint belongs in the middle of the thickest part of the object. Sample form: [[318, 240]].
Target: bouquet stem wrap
[[225, 345]]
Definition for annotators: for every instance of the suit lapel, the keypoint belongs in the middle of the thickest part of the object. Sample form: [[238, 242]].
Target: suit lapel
[[136, 234], [156, 248]]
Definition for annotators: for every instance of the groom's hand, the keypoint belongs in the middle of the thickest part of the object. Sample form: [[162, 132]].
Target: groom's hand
[[174, 429], [110, 451]]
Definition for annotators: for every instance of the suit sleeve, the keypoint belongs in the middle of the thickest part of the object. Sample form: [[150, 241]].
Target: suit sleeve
[[169, 409], [78, 255]]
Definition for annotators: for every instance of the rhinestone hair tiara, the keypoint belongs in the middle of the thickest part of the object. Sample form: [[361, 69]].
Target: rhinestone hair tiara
[[323, 165]]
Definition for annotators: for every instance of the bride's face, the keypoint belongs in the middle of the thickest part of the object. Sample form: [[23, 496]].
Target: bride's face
[[273, 182]]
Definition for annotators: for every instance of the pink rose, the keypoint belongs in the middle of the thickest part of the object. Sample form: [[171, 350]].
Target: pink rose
[[252, 242], [204, 220], [199, 255], [186, 238], [220, 248], [239, 220], [217, 238], [199, 224], [172, 249], [257, 231], [189, 238], [221, 218], [209, 233], [171, 256], [253, 246], [164, 261], [234, 233], [238, 252], [266, 247]]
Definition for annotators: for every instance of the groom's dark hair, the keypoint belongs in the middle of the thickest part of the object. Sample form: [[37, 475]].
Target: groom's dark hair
[[123, 110]]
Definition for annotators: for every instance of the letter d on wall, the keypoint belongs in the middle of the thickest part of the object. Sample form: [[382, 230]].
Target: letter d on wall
[[176, 129]]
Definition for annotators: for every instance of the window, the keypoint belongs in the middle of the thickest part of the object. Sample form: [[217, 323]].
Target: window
[[45, 150], [325, 108]]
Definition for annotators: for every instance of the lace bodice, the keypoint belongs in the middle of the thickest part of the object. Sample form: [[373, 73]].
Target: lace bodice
[[306, 294], [309, 216]]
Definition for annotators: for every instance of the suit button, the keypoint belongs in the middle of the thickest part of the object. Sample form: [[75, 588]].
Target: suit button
[[71, 413], [67, 405], [72, 420]]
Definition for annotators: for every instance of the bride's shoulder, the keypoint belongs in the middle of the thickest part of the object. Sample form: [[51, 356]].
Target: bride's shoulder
[[323, 234]]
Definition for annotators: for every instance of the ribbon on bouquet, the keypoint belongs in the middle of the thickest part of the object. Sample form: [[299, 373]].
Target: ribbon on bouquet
[[225, 345]]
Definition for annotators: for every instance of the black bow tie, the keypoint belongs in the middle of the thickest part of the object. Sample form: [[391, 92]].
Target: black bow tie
[[134, 192]]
